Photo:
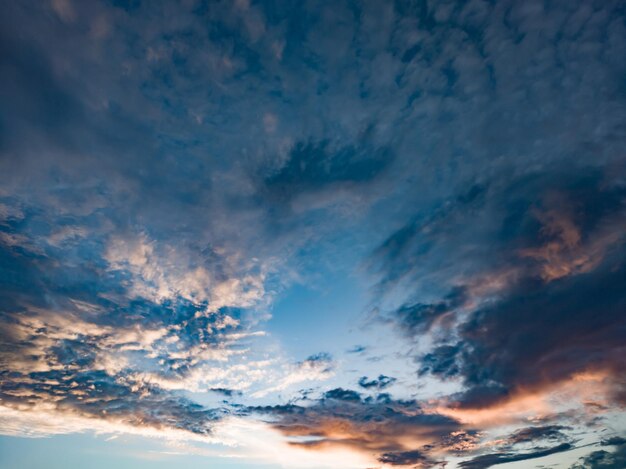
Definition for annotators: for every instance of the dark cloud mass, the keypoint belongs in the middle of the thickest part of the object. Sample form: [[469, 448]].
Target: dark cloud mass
[[549, 292], [604, 459], [314, 166], [488, 460], [377, 424], [196, 197]]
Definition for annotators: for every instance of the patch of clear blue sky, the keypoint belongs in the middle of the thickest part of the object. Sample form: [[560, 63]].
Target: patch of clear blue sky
[[93, 452], [319, 317]]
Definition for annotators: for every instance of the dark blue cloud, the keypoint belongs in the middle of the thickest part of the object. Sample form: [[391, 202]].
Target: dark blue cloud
[[487, 460], [357, 349], [378, 383], [314, 166], [602, 459], [418, 318], [579, 330]]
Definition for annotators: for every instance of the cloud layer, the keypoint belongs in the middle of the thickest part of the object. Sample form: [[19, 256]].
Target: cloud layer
[[172, 174]]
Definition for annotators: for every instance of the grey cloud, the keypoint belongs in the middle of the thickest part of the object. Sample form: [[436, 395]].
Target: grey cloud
[[377, 425], [528, 434], [314, 166], [95, 394], [604, 459], [378, 383], [405, 458], [487, 460], [441, 361], [226, 392], [419, 318]]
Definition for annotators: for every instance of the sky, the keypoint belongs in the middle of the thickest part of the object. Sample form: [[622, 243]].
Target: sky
[[313, 234]]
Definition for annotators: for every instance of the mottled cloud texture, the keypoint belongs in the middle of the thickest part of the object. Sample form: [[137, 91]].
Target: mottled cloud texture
[[173, 175]]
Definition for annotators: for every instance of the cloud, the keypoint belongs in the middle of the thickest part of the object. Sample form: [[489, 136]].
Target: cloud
[[379, 426], [522, 280], [312, 166], [574, 283], [68, 395], [379, 383], [64, 9], [405, 458], [166, 171], [487, 460], [419, 318], [604, 459], [86, 337], [226, 392], [161, 277], [318, 367], [587, 308], [528, 434]]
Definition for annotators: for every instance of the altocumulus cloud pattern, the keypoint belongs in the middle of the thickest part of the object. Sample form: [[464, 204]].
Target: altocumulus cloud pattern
[[325, 234]]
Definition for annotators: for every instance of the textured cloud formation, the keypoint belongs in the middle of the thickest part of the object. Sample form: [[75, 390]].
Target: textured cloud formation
[[531, 301], [171, 173], [605, 459], [549, 293], [488, 460], [381, 426], [80, 339]]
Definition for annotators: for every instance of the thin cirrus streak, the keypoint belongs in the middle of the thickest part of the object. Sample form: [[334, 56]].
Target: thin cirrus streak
[[312, 234]]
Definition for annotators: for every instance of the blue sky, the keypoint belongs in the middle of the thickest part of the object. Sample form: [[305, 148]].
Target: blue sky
[[274, 234]]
